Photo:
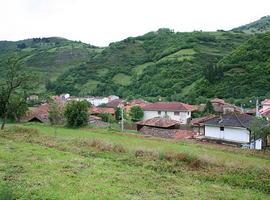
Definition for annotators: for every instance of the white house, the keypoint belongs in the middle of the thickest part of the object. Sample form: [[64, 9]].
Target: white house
[[178, 111], [231, 127], [64, 96]]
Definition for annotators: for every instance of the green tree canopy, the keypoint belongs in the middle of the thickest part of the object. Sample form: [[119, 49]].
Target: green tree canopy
[[77, 113], [136, 113]]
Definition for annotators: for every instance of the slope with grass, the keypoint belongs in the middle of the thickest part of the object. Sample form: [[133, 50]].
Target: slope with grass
[[42, 162], [48, 57]]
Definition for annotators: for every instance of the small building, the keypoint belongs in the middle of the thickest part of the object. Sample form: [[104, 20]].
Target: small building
[[177, 111], [114, 103], [231, 128], [159, 127], [64, 96], [198, 126], [38, 114], [101, 110]]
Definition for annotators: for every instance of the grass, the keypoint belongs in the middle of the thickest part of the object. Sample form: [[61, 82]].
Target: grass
[[122, 79], [139, 69], [43, 162]]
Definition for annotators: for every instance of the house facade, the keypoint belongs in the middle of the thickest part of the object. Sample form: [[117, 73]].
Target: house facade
[[232, 128], [173, 110]]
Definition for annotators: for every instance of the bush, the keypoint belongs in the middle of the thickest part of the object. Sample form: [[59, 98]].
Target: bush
[[76, 113], [106, 117], [136, 113]]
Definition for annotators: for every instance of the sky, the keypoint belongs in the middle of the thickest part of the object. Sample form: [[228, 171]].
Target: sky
[[100, 22]]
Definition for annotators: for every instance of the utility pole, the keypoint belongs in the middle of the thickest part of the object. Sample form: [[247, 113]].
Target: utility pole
[[257, 108], [122, 118]]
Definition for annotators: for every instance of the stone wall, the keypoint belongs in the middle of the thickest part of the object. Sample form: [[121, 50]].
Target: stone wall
[[159, 132]]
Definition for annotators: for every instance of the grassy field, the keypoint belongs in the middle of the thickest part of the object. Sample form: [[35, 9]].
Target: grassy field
[[42, 162]]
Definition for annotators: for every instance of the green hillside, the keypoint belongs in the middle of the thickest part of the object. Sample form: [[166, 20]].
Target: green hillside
[[245, 72], [161, 63], [188, 66], [259, 26], [49, 57]]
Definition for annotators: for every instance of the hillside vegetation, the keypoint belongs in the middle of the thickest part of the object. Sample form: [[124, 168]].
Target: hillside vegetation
[[42, 162], [48, 57], [191, 66], [245, 72], [260, 26], [161, 63]]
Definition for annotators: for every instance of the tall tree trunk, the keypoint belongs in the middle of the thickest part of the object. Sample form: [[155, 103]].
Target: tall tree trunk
[[4, 121]]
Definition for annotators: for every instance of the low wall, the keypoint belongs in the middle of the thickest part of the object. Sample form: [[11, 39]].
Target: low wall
[[159, 132]]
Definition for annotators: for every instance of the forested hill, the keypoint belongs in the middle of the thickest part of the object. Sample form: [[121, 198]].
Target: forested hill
[[189, 66], [161, 63], [245, 72], [260, 26]]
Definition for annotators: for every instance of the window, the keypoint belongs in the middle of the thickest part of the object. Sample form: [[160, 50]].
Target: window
[[177, 113], [159, 112], [221, 128]]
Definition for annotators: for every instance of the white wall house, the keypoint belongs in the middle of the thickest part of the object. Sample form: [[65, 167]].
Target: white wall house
[[174, 110], [231, 127]]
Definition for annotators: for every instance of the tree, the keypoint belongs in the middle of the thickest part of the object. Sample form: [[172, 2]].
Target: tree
[[56, 114], [16, 85], [77, 113], [209, 109], [136, 113], [260, 129]]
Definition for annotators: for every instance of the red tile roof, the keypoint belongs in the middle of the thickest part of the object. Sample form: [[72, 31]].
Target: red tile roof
[[114, 103], [41, 112], [102, 110], [158, 122], [169, 106], [201, 119], [266, 101]]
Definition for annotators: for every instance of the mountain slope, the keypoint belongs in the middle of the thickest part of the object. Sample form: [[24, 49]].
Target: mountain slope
[[49, 57], [259, 26], [160, 63], [246, 72]]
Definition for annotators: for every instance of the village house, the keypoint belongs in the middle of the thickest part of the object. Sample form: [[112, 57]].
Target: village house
[[220, 106], [178, 111], [64, 96], [38, 114], [231, 128], [136, 102], [198, 126], [265, 110], [101, 110]]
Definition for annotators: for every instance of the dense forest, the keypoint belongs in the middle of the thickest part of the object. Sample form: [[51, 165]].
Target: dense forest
[[186, 66]]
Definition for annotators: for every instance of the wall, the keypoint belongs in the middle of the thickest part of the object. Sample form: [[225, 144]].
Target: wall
[[240, 135], [182, 117]]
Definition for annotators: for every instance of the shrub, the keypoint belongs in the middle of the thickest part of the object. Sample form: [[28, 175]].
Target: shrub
[[76, 113], [136, 113]]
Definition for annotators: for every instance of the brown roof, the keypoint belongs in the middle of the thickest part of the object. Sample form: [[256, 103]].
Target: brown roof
[[199, 120], [170, 106], [102, 110], [217, 100], [114, 103], [41, 112], [158, 122]]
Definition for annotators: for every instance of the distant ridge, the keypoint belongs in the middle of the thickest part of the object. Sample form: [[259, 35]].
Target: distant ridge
[[262, 25]]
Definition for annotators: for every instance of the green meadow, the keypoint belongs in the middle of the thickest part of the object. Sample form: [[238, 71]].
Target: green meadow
[[44, 162]]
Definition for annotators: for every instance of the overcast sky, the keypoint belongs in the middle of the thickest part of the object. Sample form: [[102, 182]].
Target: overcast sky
[[100, 22]]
